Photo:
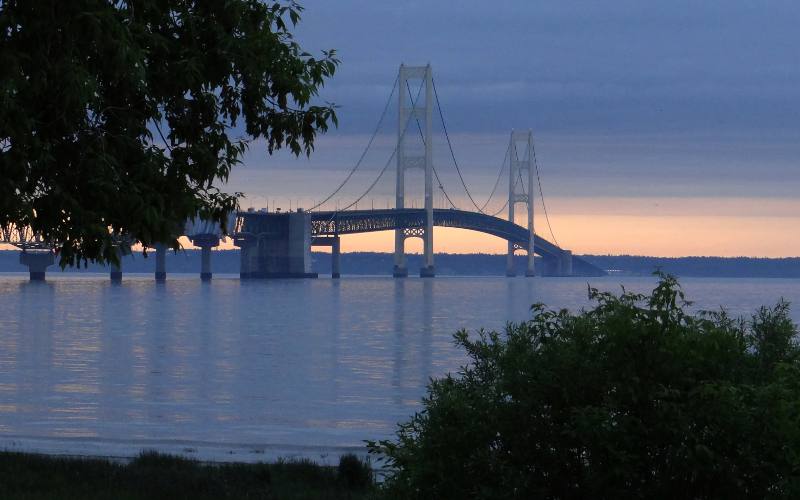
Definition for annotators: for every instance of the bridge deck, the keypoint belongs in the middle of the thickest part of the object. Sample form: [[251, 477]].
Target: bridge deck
[[363, 221]]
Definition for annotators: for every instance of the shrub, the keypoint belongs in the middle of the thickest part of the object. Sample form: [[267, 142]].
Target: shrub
[[354, 472], [635, 398]]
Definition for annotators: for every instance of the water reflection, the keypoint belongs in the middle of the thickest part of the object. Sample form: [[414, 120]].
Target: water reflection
[[399, 343], [315, 363]]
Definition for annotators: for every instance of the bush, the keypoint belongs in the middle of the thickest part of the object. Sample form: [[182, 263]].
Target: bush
[[635, 398], [354, 472]]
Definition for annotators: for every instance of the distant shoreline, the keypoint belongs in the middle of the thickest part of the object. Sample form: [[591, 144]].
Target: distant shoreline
[[380, 264]]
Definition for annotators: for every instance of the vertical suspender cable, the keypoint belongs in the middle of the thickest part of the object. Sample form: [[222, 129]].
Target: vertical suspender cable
[[541, 196], [363, 154], [421, 136]]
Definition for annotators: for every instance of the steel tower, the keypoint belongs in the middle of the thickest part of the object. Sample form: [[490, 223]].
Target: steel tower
[[408, 111], [521, 172]]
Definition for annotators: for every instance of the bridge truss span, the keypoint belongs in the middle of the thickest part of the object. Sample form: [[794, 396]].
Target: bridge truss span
[[366, 221], [559, 261]]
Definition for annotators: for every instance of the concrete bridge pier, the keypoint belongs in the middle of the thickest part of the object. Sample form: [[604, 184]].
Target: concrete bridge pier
[[336, 250], [37, 262], [550, 266], [122, 250], [558, 265], [510, 270], [530, 270], [276, 245], [427, 270], [161, 263], [336, 258], [205, 263], [248, 257], [206, 242], [399, 271], [565, 263], [116, 272]]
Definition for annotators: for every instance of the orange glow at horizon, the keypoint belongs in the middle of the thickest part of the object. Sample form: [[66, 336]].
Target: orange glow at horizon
[[667, 227], [618, 235]]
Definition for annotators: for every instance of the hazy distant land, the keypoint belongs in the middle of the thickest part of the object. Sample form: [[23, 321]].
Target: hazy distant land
[[372, 263]]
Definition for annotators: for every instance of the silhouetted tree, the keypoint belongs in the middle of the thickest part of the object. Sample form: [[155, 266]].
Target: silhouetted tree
[[124, 115]]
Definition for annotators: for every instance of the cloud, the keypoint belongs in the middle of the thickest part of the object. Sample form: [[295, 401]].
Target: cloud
[[583, 64]]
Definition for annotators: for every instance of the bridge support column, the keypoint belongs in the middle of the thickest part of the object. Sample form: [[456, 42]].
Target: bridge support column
[[248, 262], [550, 266], [399, 270], [116, 272], [336, 258], [427, 270], [411, 110], [530, 270], [276, 245], [521, 160], [510, 271], [205, 263], [206, 242], [565, 263], [37, 262], [161, 263], [122, 248]]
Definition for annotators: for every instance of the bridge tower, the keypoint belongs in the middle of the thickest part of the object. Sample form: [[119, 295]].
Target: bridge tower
[[408, 112], [521, 172]]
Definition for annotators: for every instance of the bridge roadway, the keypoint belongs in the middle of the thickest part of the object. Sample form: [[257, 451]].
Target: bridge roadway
[[325, 226], [278, 245], [365, 221]]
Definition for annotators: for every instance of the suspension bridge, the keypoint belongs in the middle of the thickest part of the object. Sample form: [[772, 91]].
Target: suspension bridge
[[277, 244]]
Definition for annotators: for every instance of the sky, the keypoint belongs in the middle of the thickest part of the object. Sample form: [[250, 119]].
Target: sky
[[664, 128]]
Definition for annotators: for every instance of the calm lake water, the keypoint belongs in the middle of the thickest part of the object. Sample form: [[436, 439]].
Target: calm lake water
[[257, 369]]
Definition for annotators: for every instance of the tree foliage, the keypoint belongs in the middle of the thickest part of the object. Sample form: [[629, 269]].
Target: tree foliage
[[635, 398], [123, 116]]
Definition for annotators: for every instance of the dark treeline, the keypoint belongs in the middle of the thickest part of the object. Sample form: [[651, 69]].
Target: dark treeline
[[729, 267], [154, 476], [372, 263]]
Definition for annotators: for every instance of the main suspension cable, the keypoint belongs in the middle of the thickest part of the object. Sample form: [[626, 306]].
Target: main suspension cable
[[422, 136], [497, 181], [450, 146], [508, 154], [495, 214], [385, 167], [541, 195], [364, 153], [383, 171]]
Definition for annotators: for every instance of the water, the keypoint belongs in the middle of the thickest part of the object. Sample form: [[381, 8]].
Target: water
[[257, 369]]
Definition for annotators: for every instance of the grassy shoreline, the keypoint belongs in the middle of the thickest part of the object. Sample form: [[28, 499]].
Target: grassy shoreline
[[25, 476]]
